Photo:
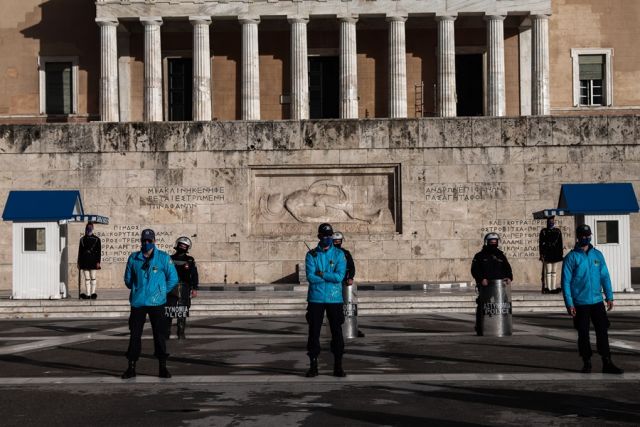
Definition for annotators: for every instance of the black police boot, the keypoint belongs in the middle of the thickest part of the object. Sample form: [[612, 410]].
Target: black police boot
[[586, 366], [337, 368], [84, 296], [182, 325], [130, 372], [163, 372], [313, 368], [609, 368]]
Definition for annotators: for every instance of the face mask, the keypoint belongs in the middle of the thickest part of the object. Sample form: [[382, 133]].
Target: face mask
[[326, 241], [551, 224], [584, 241], [147, 246], [336, 244], [181, 250], [88, 231]]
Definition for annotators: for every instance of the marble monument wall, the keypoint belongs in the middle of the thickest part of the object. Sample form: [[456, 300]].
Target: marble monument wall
[[414, 197]]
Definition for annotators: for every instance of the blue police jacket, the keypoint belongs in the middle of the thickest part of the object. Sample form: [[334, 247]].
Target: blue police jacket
[[584, 276], [150, 281], [333, 265]]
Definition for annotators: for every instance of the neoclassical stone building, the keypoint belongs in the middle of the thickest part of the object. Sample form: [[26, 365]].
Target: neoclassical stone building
[[162, 60]]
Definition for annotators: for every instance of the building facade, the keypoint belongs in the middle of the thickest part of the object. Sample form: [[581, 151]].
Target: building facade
[[140, 60]]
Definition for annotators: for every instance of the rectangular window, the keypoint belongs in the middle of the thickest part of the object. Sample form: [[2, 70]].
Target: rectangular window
[[591, 78], [59, 87], [34, 239], [607, 232]]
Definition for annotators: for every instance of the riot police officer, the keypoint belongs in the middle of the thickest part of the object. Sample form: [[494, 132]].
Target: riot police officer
[[489, 264], [179, 300]]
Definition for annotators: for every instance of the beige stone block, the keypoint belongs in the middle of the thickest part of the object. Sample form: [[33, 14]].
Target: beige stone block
[[550, 172], [524, 191], [6, 277], [412, 271], [480, 210], [452, 174], [325, 157], [268, 272], [553, 154], [453, 211], [287, 251], [6, 180], [626, 172], [140, 178], [372, 250], [495, 173], [204, 159], [254, 251], [198, 214], [223, 251], [229, 213], [185, 160], [425, 249], [211, 232], [235, 159], [352, 157], [240, 272], [438, 156], [511, 209], [397, 249], [438, 229], [167, 216], [196, 177], [383, 271], [211, 272], [296, 157], [454, 248], [424, 211], [515, 155], [598, 172]]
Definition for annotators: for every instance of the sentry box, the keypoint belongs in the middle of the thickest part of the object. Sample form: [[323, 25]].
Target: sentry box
[[605, 208], [40, 240]]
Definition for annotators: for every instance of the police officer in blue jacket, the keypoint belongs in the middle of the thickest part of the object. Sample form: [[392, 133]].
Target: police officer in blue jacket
[[584, 277], [150, 274], [326, 267]]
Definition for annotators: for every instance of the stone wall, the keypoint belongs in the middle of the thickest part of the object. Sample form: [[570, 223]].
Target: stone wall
[[414, 197]]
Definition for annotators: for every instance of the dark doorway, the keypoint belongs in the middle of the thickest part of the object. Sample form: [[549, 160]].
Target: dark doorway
[[323, 87], [180, 88], [469, 85]]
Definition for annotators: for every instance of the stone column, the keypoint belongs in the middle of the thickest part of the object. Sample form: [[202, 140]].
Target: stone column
[[250, 70], [524, 45], [496, 102], [299, 69], [446, 95], [348, 69], [152, 69], [201, 68], [397, 67], [540, 103], [109, 108]]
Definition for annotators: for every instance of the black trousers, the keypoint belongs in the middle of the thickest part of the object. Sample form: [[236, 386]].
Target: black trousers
[[315, 315], [585, 314], [158, 325]]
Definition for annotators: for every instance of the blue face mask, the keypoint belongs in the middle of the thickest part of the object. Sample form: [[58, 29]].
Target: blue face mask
[[584, 241], [326, 241], [147, 246]]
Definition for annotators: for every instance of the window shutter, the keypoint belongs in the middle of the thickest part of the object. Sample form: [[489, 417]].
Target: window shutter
[[58, 87], [591, 67]]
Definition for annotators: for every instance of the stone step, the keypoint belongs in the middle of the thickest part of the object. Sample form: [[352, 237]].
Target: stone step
[[293, 305]]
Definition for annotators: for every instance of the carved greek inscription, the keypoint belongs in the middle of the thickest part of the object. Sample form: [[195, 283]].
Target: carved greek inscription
[[181, 197], [519, 237], [464, 192]]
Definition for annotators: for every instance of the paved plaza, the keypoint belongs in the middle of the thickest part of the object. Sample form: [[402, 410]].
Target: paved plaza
[[407, 370]]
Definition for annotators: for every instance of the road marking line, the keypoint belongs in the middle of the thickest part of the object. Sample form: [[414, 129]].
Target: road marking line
[[354, 378]]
